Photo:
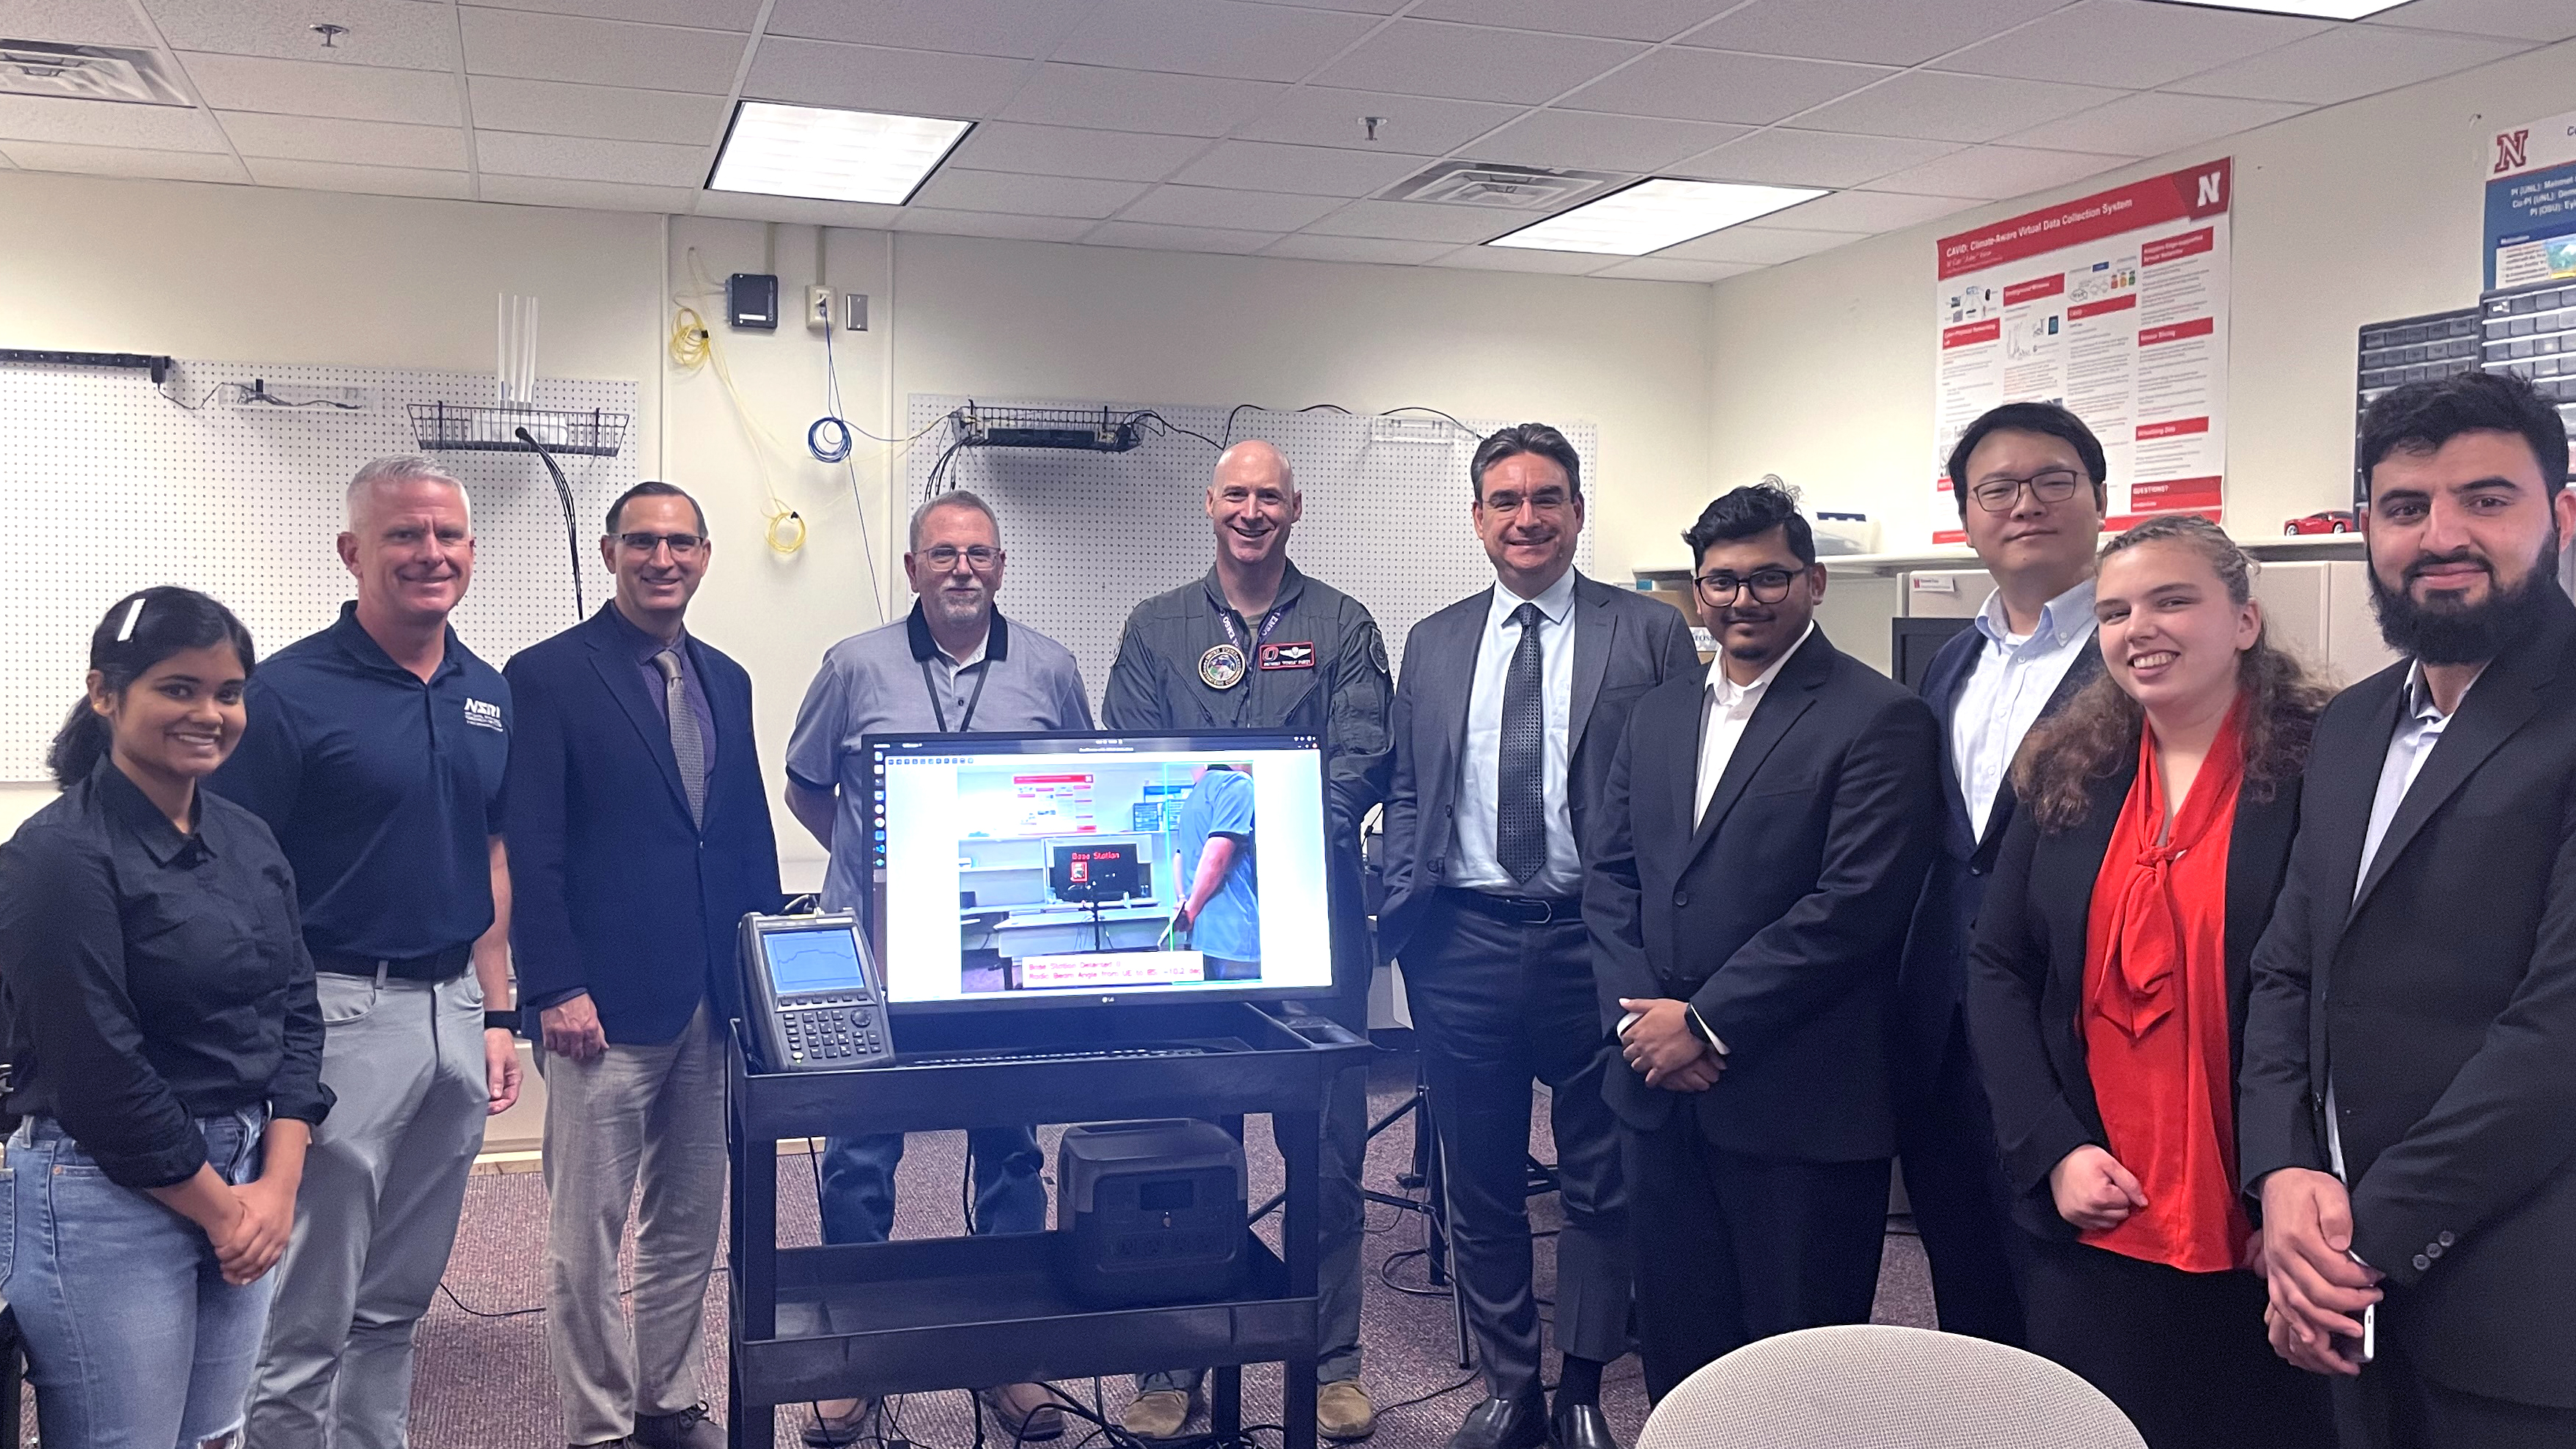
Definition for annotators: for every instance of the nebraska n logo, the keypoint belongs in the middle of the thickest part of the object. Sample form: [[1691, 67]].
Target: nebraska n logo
[[2513, 150], [2209, 188]]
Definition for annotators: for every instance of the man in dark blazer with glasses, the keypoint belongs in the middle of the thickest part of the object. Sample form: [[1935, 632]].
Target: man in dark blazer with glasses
[[1510, 704]]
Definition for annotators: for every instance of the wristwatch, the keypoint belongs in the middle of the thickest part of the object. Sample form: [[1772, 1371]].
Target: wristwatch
[[501, 1021]]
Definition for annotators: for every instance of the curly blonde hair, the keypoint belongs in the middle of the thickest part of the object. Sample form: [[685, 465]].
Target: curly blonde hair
[[2097, 733]]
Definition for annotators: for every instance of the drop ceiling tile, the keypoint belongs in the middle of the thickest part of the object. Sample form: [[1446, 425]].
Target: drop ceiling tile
[[1211, 37], [1604, 142], [1233, 210], [1132, 100], [585, 158], [76, 22], [2135, 44], [2151, 123], [1994, 173], [1942, 107], [991, 223], [1418, 221], [1884, 32], [1018, 28], [1177, 238], [803, 210], [599, 52], [107, 124], [1524, 259], [609, 112], [1667, 269], [1467, 62], [588, 195], [1311, 170], [1307, 246], [401, 33], [960, 190], [1419, 125], [704, 14], [1760, 245], [1711, 85], [1067, 151], [1870, 211], [1357, 7], [363, 143], [872, 78], [1611, 19], [370, 180], [1782, 156], [317, 88], [2346, 63], [119, 161], [2543, 20]]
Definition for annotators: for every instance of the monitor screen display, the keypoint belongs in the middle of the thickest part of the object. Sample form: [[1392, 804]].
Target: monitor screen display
[[1081, 850], [813, 958]]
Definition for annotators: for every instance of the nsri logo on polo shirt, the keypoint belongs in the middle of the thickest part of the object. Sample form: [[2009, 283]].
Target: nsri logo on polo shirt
[[1300, 655], [479, 713]]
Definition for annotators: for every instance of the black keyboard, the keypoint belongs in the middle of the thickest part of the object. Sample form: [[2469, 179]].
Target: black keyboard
[[1065, 1054]]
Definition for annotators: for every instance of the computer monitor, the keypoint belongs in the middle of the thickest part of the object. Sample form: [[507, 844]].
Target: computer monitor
[[1236, 826], [1914, 641]]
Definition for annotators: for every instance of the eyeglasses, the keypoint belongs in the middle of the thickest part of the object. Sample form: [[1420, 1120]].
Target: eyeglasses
[[1545, 500], [683, 545], [1768, 586], [1998, 495], [945, 555]]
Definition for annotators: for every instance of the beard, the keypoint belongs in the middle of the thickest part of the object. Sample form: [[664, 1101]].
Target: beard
[[2450, 633]]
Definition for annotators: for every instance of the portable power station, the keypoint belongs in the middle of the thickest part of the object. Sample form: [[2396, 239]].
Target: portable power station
[[1152, 1212]]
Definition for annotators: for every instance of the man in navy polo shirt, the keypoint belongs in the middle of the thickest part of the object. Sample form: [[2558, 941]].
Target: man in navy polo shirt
[[375, 751]]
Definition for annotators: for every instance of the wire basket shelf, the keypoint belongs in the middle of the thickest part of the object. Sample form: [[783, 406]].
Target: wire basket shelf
[[456, 427]]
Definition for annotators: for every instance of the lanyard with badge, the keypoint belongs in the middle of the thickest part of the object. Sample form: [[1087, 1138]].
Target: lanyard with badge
[[1223, 666], [966, 723]]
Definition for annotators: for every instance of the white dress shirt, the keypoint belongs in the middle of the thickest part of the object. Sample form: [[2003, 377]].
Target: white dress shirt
[[2008, 686], [1726, 707], [1473, 861]]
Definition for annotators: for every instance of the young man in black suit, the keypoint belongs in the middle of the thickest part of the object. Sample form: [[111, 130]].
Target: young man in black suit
[[1512, 702], [2408, 1103], [1759, 850]]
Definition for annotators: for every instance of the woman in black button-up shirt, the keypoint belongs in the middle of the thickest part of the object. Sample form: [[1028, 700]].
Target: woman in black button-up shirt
[[165, 1047]]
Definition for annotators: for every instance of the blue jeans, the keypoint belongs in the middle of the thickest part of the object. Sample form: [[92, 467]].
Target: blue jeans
[[858, 1184], [134, 1339]]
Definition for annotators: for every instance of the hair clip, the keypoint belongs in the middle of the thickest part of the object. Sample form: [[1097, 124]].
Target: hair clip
[[132, 614]]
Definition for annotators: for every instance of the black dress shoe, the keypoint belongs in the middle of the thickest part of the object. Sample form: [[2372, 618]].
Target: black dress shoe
[[1580, 1426], [1502, 1424]]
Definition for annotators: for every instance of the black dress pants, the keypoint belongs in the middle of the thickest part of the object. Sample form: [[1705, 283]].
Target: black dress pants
[[2392, 1406], [1744, 1247], [1496, 1004], [1954, 1182], [2184, 1355]]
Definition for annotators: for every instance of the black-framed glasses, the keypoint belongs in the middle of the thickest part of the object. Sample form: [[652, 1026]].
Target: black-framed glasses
[[1768, 586], [1998, 495], [683, 545], [979, 557]]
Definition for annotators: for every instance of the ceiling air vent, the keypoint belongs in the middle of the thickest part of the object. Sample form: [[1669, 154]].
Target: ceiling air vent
[[1505, 188], [86, 73]]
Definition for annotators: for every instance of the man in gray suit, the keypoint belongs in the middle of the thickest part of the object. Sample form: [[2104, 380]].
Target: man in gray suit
[[1511, 704]]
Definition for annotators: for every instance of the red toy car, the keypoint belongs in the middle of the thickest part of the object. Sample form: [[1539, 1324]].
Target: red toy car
[[2332, 521]]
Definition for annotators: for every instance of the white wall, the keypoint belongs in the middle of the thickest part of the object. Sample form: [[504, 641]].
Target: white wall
[[2356, 214]]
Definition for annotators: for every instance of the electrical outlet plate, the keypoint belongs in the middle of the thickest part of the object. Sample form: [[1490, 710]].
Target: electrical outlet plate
[[818, 308], [854, 311]]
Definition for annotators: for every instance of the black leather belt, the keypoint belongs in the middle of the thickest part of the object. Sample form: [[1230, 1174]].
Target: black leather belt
[[1519, 910], [436, 966]]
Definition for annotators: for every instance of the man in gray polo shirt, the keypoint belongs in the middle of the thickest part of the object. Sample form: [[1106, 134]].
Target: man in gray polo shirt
[[954, 665]]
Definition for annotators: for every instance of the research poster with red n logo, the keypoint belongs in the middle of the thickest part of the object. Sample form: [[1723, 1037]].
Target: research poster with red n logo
[[2113, 304]]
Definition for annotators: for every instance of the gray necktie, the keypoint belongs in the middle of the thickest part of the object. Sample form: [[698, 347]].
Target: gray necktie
[[1520, 806], [688, 747]]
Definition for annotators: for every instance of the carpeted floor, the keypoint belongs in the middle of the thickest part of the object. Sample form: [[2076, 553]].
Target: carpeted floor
[[483, 1380]]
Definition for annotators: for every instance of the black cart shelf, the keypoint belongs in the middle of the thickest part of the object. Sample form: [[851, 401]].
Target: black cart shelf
[[868, 1320]]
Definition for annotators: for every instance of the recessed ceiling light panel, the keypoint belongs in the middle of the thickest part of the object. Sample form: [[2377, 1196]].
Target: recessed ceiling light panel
[[831, 155], [2313, 9], [1654, 214]]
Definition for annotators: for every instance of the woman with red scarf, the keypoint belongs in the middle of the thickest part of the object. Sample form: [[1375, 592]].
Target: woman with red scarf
[[2107, 994]]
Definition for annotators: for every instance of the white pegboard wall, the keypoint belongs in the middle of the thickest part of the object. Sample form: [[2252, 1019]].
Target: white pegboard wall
[[1091, 534], [110, 487]]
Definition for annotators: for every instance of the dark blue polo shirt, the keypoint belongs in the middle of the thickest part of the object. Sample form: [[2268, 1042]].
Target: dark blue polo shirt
[[383, 791]]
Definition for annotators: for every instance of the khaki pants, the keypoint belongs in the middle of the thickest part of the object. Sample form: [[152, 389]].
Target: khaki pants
[[657, 1113]]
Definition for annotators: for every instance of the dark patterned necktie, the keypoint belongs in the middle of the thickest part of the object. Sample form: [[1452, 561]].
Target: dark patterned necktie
[[1520, 806], [688, 747]]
